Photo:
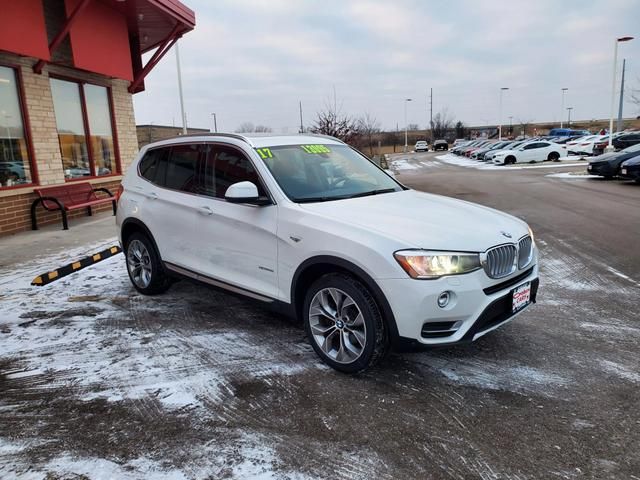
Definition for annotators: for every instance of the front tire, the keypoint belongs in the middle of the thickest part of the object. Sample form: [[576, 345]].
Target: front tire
[[144, 266], [344, 324], [554, 156]]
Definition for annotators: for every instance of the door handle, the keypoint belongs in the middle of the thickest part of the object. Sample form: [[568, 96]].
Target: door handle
[[205, 211]]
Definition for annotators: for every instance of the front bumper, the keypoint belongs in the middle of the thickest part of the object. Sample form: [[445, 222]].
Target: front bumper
[[478, 305], [632, 173], [604, 170]]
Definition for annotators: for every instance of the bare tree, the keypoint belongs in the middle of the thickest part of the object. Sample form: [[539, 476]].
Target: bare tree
[[412, 127], [461, 130], [367, 127], [442, 123], [246, 127], [331, 121]]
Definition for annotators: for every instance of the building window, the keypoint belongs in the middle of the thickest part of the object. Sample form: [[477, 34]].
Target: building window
[[84, 121], [15, 165]]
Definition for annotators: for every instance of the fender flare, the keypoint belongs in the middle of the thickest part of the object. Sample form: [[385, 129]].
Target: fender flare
[[362, 275]]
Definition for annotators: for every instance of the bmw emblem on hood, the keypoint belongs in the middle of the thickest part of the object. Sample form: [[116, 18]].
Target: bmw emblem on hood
[[506, 234]]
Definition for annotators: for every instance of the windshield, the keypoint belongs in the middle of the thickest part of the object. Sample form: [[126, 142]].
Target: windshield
[[317, 173]]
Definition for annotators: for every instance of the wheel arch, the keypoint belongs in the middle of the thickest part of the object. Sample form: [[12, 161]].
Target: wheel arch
[[133, 225], [315, 267]]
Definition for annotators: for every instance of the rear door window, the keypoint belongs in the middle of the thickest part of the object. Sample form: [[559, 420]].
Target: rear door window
[[149, 165], [178, 171]]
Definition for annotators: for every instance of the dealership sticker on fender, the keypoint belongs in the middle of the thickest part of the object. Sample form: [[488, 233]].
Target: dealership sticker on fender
[[521, 296]]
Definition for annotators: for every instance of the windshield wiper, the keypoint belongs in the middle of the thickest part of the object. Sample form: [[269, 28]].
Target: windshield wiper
[[315, 199], [372, 192]]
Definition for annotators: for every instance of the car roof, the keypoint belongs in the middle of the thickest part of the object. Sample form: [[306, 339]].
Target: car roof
[[253, 140]]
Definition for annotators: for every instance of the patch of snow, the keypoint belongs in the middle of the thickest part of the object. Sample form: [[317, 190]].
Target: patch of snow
[[620, 371], [572, 175], [403, 164]]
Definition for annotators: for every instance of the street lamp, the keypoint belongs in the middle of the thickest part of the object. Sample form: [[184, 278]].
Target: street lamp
[[564, 90], [406, 100], [215, 123], [502, 89], [613, 88], [569, 119], [510, 125]]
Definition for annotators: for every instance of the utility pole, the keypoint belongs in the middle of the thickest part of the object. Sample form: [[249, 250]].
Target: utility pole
[[619, 124], [431, 114], [569, 119], [406, 100], [301, 124], [215, 123], [564, 90], [184, 117]]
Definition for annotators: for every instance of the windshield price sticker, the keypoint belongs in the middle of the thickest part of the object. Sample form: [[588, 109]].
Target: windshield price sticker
[[264, 153], [315, 148]]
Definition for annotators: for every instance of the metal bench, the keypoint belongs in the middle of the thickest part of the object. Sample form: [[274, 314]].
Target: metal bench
[[71, 196]]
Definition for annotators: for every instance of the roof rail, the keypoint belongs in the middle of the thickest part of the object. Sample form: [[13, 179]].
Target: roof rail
[[320, 135], [212, 134]]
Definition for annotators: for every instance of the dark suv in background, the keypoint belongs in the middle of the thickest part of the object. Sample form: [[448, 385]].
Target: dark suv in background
[[440, 145]]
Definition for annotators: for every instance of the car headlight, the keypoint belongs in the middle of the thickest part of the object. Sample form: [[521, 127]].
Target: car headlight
[[426, 264]]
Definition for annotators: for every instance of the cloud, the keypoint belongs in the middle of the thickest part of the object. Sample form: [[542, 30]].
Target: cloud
[[254, 60]]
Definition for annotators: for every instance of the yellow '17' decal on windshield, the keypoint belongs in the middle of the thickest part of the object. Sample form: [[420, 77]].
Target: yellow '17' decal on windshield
[[315, 149], [264, 153]]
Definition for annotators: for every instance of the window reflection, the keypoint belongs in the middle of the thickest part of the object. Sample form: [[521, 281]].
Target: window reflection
[[14, 155], [71, 134], [82, 156], [99, 114]]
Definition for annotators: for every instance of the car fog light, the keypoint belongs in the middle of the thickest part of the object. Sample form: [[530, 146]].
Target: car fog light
[[443, 299]]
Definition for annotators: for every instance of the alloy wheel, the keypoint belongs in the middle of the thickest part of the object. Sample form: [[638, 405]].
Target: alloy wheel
[[139, 263], [337, 325]]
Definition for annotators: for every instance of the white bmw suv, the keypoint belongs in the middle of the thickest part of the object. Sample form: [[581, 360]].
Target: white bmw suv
[[310, 226]]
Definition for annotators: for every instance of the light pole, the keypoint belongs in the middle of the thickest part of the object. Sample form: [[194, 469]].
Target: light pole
[[406, 100], [502, 89], [613, 88], [569, 119], [215, 123], [564, 90], [510, 125]]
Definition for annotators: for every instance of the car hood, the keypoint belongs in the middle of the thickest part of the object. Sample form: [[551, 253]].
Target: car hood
[[614, 157], [632, 162], [422, 220]]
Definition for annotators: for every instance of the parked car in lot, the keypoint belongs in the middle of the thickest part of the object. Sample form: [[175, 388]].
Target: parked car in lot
[[490, 155], [309, 226], [626, 140], [568, 132], [586, 146], [630, 169], [608, 165], [479, 153], [440, 145], [421, 146], [530, 152], [468, 151], [459, 141]]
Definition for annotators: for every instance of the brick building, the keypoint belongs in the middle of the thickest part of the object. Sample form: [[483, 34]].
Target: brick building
[[68, 70]]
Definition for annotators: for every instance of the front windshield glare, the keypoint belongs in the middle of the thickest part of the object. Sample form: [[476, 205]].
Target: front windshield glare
[[316, 173]]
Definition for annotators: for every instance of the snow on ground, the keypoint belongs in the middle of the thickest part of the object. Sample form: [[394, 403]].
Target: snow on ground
[[453, 159], [572, 175]]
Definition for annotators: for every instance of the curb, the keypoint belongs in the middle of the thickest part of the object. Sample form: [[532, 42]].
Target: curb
[[52, 276]]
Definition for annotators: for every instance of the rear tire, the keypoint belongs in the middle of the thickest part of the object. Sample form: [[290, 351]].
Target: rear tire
[[145, 269], [344, 324]]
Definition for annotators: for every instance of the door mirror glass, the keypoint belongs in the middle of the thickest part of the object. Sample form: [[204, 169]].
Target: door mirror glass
[[245, 192]]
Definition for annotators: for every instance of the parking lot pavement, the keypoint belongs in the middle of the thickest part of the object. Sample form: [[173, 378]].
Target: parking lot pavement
[[99, 381]]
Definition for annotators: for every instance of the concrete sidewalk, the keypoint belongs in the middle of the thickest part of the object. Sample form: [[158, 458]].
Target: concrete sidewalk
[[51, 239]]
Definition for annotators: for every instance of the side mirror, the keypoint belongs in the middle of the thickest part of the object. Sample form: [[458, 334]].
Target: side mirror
[[245, 192]]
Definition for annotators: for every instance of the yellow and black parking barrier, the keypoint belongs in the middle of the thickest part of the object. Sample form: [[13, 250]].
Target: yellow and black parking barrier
[[54, 275]]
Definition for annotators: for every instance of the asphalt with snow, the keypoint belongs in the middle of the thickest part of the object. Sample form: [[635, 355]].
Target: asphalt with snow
[[99, 382]]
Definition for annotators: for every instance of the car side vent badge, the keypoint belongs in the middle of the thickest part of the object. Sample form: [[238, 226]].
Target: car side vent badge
[[295, 239]]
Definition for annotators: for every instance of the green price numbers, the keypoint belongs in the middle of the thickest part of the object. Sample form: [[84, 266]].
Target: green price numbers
[[315, 148], [264, 153]]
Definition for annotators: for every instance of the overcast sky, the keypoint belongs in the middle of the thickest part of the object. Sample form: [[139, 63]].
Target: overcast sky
[[253, 60]]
